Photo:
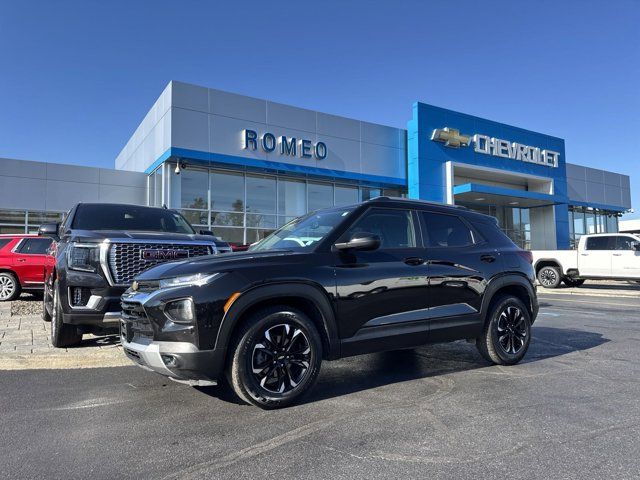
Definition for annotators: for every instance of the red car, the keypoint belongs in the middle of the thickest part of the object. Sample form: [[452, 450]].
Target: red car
[[22, 264]]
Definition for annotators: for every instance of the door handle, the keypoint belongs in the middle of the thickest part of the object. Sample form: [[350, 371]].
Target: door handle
[[584, 254], [617, 254], [21, 260], [487, 258], [413, 261]]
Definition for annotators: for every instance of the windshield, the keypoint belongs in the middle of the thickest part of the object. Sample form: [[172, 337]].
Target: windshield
[[303, 233], [129, 218]]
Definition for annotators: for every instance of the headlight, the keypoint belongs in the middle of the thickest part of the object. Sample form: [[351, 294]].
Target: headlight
[[180, 311], [83, 256], [196, 280]]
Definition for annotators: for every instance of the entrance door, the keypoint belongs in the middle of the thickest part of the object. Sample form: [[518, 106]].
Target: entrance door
[[626, 259], [595, 260], [383, 293]]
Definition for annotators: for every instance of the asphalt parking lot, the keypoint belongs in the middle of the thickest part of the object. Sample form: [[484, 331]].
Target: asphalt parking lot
[[570, 410]]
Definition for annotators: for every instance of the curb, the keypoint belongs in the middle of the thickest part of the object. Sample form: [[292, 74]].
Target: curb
[[613, 294], [56, 361]]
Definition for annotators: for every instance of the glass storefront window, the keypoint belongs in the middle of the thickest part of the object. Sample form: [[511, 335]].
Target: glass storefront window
[[345, 195], [227, 191], [590, 221], [320, 195], [196, 218], [261, 221], [367, 193], [254, 235], [292, 198], [194, 189], [227, 219], [261, 194], [612, 224], [231, 235]]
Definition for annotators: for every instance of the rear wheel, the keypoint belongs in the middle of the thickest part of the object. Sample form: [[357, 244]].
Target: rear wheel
[[507, 332], [62, 334], [276, 358], [9, 287], [549, 277]]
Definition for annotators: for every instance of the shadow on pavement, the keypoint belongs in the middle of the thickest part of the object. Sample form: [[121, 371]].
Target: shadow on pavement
[[370, 371]]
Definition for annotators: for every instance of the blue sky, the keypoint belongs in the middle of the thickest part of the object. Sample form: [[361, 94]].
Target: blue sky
[[77, 77]]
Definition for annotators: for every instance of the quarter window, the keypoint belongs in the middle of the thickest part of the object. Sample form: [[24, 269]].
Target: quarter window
[[601, 243], [446, 230], [394, 227]]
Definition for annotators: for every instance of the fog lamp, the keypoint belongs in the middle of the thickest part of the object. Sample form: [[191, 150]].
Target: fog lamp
[[180, 311]]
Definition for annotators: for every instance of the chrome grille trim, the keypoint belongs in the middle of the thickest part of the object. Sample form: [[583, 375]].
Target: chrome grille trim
[[121, 260]]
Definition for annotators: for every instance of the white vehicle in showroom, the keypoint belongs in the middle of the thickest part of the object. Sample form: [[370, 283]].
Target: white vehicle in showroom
[[599, 257]]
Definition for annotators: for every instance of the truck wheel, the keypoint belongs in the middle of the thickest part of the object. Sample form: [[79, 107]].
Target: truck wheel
[[570, 282], [62, 334], [276, 357], [9, 287], [549, 277], [507, 332]]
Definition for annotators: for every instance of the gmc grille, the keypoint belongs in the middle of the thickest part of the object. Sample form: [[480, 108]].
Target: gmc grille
[[126, 260]]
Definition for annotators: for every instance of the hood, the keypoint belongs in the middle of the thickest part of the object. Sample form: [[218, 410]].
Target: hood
[[100, 235], [214, 263]]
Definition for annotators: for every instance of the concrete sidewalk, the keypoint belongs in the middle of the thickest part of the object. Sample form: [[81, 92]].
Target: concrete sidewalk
[[25, 343], [596, 288]]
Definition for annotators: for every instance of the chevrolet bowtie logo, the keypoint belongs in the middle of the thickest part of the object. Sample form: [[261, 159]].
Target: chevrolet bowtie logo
[[450, 137]]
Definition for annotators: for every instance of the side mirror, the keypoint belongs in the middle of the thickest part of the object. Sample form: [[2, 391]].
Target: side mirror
[[636, 246], [205, 232], [49, 230], [360, 241]]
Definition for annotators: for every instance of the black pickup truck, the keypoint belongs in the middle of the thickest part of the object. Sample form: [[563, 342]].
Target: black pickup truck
[[100, 248]]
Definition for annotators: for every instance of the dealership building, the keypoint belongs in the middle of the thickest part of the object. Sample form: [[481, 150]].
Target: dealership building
[[243, 166]]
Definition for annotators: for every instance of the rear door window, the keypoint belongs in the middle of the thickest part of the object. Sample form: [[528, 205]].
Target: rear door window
[[625, 243], [444, 230], [601, 243]]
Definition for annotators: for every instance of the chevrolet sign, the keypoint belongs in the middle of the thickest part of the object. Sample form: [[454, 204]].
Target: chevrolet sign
[[496, 147]]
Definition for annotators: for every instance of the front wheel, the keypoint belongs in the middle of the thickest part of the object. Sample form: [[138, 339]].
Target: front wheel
[[276, 357], [507, 332], [549, 277], [62, 334]]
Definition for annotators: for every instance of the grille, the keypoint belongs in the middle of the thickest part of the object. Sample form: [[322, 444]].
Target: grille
[[126, 262], [135, 322]]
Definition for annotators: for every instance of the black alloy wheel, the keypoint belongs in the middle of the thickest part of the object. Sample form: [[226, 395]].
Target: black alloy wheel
[[275, 357], [281, 359], [511, 330], [507, 332]]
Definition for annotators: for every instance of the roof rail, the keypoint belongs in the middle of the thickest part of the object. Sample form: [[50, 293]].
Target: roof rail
[[415, 200]]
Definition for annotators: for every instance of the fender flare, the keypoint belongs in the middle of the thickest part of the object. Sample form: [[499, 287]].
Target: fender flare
[[555, 261], [506, 280], [272, 291]]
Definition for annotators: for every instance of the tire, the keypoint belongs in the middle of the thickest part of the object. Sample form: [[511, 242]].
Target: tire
[[9, 287], [46, 316], [261, 371], [62, 334], [570, 282], [507, 331], [549, 277]]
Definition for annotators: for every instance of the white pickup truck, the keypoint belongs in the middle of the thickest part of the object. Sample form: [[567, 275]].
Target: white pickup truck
[[613, 256]]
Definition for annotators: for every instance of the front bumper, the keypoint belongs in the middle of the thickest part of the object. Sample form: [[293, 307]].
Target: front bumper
[[180, 361]]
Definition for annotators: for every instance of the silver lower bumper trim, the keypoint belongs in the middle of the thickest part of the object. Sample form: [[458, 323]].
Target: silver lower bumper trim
[[149, 355]]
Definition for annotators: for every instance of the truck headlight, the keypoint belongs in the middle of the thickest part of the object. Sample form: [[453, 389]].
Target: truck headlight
[[180, 311], [83, 256], [197, 280]]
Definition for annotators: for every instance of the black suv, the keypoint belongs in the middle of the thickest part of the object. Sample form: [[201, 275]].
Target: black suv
[[385, 274], [100, 248]]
